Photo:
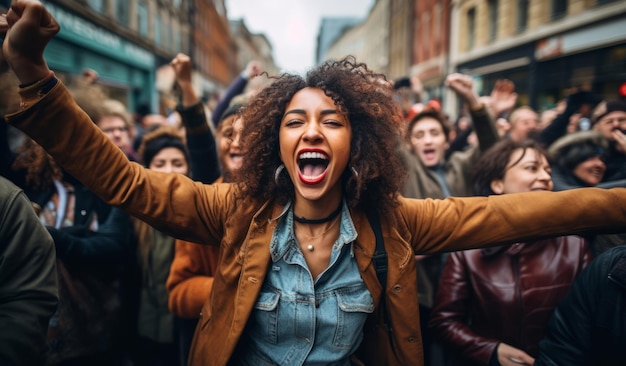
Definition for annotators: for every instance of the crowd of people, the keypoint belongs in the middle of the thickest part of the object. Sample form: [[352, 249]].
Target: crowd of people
[[332, 218]]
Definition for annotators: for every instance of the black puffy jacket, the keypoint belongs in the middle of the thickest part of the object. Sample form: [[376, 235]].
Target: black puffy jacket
[[589, 325]]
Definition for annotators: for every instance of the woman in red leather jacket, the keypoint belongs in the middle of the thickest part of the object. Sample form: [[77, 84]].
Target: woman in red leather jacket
[[493, 304]]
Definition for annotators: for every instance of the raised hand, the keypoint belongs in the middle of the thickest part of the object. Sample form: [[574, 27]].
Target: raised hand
[[416, 85], [182, 68], [463, 86], [620, 140], [253, 68], [503, 97], [29, 27]]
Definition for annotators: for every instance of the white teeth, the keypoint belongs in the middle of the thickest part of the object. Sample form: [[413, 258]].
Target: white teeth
[[312, 155]]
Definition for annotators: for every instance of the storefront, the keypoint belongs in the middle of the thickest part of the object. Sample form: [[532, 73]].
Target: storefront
[[547, 70], [127, 71], [515, 64], [590, 58]]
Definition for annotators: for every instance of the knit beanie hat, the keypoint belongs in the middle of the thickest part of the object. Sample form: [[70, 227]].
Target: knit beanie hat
[[573, 149], [159, 139], [605, 108], [234, 108]]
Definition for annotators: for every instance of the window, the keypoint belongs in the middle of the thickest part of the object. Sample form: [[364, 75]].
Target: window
[[438, 26], [142, 18], [471, 28], [121, 12], [157, 28], [177, 42], [167, 40], [559, 9], [493, 19], [522, 15], [426, 33], [97, 5]]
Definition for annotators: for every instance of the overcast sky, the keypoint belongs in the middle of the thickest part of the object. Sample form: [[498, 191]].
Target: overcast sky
[[292, 25]]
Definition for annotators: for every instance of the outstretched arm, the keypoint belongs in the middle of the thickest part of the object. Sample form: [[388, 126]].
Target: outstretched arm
[[235, 88], [171, 203], [199, 137]]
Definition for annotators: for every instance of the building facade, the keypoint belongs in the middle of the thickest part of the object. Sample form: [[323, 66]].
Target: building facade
[[123, 41], [430, 45], [214, 51], [400, 36], [547, 48], [330, 29], [253, 46], [368, 41]]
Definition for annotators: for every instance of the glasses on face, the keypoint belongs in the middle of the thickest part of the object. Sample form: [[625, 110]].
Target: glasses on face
[[115, 129]]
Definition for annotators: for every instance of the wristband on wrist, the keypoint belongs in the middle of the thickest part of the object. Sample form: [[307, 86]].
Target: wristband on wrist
[[32, 93]]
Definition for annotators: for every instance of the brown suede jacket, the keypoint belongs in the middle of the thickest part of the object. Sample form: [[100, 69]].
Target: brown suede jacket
[[504, 294], [178, 206]]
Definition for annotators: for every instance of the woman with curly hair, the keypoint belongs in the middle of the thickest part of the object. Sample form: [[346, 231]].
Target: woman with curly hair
[[296, 280]]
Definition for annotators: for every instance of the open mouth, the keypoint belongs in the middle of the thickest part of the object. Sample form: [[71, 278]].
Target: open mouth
[[236, 158], [429, 153], [312, 167], [598, 173]]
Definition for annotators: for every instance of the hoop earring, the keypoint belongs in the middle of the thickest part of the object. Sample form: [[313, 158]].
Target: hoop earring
[[279, 169], [354, 172]]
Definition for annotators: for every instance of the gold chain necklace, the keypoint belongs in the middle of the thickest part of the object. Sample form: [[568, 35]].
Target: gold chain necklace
[[310, 247]]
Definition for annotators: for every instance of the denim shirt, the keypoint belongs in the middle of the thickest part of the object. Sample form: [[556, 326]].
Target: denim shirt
[[299, 320]]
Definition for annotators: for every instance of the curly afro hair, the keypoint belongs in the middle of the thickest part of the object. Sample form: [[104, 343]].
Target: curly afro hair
[[365, 97]]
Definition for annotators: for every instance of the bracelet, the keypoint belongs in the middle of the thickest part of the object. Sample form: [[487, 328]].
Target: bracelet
[[33, 92], [39, 82]]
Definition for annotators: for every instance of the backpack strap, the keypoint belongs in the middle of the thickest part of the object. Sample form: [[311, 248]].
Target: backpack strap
[[380, 261], [381, 265], [380, 254]]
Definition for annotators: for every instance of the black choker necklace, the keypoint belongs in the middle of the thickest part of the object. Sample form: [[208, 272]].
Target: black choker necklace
[[332, 215]]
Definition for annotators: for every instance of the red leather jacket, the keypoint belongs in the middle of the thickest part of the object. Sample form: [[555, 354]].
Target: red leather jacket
[[504, 294]]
